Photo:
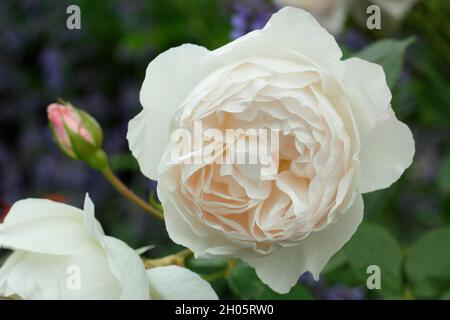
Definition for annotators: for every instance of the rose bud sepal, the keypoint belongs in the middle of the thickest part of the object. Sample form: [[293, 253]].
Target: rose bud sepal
[[77, 134]]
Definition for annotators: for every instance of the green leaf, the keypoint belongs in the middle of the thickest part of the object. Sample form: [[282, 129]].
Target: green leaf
[[206, 266], [428, 264], [336, 261], [373, 245], [446, 295], [343, 275], [444, 174], [388, 53], [245, 284]]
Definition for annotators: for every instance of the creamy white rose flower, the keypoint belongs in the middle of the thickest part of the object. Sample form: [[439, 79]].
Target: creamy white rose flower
[[339, 138], [61, 252], [330, 13]]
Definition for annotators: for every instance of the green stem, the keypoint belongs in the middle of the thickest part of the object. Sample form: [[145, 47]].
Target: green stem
[[129, 194], [173, 259]]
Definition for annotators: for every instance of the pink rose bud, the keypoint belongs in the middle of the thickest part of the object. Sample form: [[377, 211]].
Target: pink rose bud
[[77, 133], [63, 118]]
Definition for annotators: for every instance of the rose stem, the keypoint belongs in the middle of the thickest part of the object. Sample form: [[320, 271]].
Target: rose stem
[[129, 194], [173, 259]]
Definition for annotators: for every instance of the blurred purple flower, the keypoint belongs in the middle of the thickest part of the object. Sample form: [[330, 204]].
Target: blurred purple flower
[[129, 99], [260, 20], [14, 40], [411, 203], [239, 21], [53, 173], [115, 139], [353, 39], [51, 65], [405, 77], [35, 141], [97, 105], [234, 34], [6, 75], [238, 25], [430, 144], [152, 185], [321, 290], [342, 292], [248, 16], [308, 279], [9, 176]]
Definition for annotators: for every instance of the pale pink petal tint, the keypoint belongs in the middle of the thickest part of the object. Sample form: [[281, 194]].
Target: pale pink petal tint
[[61, 116]]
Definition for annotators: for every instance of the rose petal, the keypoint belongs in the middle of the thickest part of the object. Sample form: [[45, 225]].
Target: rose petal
[[178, 228], [128, 268], [368, 91], [42, 276], [386, 152], [288, 29], [92, 226], [168, 80], [281, 269], [44, 226], [31, 275], [330, 14], [182, 230], [176, 283]]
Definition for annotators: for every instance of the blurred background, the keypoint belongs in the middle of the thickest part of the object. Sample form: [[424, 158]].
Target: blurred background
[[100, 68]]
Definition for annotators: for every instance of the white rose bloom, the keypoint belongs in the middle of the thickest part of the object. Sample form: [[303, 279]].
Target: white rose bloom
[[61, 252], [330, 13], [339, 138]]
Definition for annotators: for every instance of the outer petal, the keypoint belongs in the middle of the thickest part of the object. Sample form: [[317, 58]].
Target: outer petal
[[43, 276], [128, 268], [124, 262], [44, 226], [97, 279], [203, 242], [179, 230], [331, 14], [387, 145], [281, 269], [170, 77], [369, 94], [176, 283], [91, 225], [288, 29], [31, 275], [386, 152]]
